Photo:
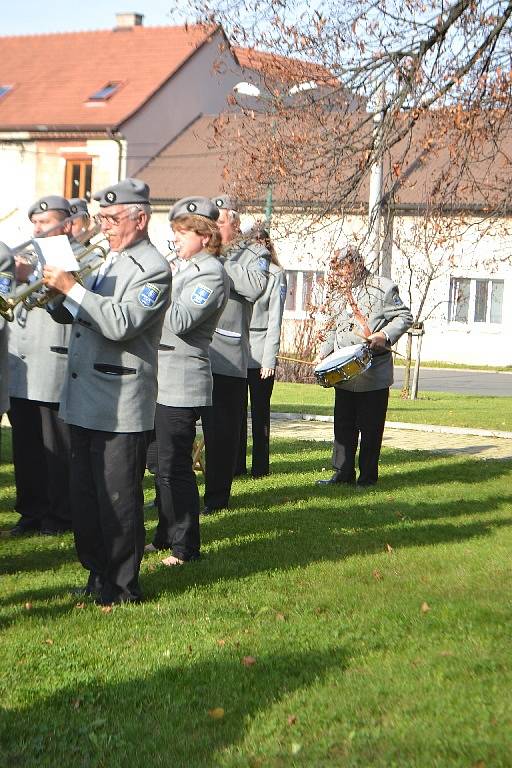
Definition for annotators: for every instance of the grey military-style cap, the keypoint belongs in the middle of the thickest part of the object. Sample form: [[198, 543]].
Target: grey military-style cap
[[226, 201], [125, 192], [49, 203], [198, 206], [78, 205]]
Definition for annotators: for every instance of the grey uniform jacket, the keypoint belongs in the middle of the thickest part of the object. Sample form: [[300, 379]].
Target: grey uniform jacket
[[246, 265], [6, 288], [266, 320], [111, 383], [38, 353], [199, 295], [379, 301]]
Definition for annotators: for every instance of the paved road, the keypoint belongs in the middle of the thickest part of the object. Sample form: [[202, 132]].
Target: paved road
[[463, 382]]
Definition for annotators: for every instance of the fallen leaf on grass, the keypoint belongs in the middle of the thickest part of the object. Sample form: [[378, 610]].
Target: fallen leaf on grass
[[49, 641], [446, 653], [292, 719], [80, 605], [28, 606], [296, 748], [221, 643], [389, 547], [425, 607], [248, 661], [217, 713], [106, 609], [280, 617], [377, 575]]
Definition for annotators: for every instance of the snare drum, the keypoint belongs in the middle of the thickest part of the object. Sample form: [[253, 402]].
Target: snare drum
[[343, 365]]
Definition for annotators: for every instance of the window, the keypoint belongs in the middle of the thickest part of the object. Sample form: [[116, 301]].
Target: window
[[305, 289], [4, 90], [104, 93], [291, 295], [312, 286], [475, 300], [78, 181]]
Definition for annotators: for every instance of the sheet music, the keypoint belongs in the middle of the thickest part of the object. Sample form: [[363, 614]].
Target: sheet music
[[57, 252]]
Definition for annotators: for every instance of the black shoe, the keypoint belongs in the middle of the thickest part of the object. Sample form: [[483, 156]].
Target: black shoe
[[366, 483], [107, 599], [23, 528], [92, 588], [210, 510], [335, 479], [50, 530]]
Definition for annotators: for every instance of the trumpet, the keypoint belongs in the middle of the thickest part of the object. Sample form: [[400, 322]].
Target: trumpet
[[37, 294]]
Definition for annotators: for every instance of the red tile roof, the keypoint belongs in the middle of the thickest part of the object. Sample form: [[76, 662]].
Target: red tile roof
[[54, 75], [283, 67]]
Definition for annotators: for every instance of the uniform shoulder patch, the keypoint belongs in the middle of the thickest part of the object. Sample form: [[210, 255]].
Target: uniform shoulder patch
[[201, 294], [5, 282], [263, 264], [148, 295], [397, 301], [282, 291]]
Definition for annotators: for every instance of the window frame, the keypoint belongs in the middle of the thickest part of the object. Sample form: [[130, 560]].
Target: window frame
[[84, 190], [475, 301]]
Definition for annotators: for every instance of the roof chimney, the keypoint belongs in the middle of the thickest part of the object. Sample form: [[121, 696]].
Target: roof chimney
[[130, 19]]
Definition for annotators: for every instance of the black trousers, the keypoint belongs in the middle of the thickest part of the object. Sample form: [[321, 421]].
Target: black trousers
[[41, 449], [260, 391], [178, 497], [107, 469], [359, 414], [221, 429]]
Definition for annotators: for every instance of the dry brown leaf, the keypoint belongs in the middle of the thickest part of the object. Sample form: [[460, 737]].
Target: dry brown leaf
[[425, 607], [292, 719], [221, 642], [248, 661], [49, 641], [217, 713], [389, 547], [377, 575], [80, 605], [280, 617], [28, 606], [106, 609]]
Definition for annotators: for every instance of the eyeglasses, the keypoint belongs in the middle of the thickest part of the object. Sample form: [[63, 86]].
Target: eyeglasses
[[111, 221]]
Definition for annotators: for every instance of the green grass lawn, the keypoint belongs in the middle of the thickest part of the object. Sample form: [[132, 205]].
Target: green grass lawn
[[322, 627], [430, 408]]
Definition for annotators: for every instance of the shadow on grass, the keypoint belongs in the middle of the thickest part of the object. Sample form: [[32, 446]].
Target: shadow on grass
[[162, 718]]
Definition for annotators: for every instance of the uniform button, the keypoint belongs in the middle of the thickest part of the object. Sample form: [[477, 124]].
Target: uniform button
[[22, 357], [77, 335], [74, 375]]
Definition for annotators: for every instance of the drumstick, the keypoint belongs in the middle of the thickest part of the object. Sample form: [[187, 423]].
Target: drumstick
[[368, 341], [296, 360]]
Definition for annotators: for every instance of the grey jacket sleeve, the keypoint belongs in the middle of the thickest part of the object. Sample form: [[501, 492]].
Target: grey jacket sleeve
[[117, 320], [397, 315], [248, 276], [275, 319], [327, 346], [197, 301]]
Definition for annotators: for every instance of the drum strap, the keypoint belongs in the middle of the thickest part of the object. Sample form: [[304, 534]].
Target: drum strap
[[358, 315]]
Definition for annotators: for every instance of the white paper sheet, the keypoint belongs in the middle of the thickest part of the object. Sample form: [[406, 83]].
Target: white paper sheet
[[57, 252]]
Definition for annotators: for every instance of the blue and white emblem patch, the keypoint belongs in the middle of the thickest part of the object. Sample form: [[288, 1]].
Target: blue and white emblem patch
[[282, 291], [148, 295], [201, 294], [262, 264], [5, 282], [397, 301]]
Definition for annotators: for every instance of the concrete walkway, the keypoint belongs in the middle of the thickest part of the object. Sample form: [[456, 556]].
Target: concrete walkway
[[480, 443]]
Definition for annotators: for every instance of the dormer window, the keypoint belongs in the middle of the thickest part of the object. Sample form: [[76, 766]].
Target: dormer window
[[4, 90], [105, 93]]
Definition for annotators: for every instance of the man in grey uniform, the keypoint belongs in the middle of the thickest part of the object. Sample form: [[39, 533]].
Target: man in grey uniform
[[370, 306], [110, 391], [37, 367], [199, 294], [246, 264]]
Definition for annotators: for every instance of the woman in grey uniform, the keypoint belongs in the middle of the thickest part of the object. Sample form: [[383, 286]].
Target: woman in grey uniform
[[199, 294], [264, 340]]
